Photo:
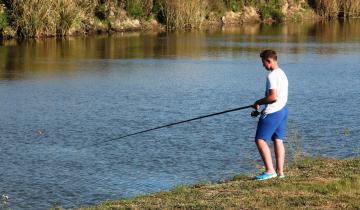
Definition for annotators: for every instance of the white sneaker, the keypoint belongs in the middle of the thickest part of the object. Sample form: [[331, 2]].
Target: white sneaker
[[265, 175], [281, 175]]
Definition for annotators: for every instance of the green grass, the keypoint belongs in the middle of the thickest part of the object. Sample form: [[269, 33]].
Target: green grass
[[310, 184]]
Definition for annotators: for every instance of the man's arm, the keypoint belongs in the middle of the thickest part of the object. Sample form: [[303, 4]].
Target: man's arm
[[269, 99]]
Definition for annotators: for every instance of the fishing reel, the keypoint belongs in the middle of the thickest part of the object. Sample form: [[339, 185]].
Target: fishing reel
[[255, 113]]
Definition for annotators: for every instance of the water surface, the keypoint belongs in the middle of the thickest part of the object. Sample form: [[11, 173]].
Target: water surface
[[60, 97]]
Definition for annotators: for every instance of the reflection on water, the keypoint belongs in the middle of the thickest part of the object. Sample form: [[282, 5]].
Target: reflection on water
[[18, 60], [59, 97]]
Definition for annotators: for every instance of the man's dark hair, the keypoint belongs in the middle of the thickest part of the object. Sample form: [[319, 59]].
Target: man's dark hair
[[266, 54]]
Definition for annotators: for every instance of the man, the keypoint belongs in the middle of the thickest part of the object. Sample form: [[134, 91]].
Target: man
[[272, 122]]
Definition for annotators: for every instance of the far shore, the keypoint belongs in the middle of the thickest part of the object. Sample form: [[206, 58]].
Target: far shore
[[29, 20]]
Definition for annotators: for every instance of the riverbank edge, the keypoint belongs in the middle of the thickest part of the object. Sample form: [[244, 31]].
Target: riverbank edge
[[123, 22], [42, 19], [315, 183], [153, 26]]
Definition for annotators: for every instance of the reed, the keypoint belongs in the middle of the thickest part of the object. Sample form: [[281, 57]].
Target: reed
[[327, 8], [335, 8], [184, 13], [351, 8], [67, 13], [147, 7], [33, 18], [87, 6], [39, 18]]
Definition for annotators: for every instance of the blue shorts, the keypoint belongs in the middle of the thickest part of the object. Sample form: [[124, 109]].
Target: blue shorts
[[272, 126]]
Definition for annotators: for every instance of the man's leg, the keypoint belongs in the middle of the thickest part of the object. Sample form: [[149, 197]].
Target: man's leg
[[280, 155], [265, 153], [278, 138]]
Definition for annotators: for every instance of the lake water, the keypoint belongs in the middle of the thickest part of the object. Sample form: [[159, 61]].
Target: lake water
[[60, 97]]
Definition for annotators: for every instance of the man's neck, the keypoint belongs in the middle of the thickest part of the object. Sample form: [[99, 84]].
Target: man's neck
[[274, 67]]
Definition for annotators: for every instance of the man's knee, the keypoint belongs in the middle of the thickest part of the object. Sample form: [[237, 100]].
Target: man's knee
[[278, 142], [260, 142]]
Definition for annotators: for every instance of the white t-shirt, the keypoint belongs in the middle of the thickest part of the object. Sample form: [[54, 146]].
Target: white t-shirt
[[277, 80]]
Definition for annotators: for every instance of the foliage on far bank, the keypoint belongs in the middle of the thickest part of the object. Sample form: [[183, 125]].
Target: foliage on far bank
[[335, 8], [42, 18], [310, 184]]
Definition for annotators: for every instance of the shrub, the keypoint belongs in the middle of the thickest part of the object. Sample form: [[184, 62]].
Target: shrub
[[216, 6], [3, 21], [270, 12], [100, 11], [233, 5], [134, 8], [254, 3], [159, 11]]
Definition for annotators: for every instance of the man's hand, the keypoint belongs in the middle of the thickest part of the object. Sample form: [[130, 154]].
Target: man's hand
[[256, 105]]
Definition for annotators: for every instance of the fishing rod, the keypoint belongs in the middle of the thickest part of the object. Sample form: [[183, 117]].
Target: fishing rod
[[254, 114]]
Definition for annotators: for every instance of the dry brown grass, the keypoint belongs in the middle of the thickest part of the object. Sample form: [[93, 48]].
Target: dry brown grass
[[327, 8], [67, 13], [38, 18], [33, 17], [184, 13], [351, 8], [332, 8], [87, 6]]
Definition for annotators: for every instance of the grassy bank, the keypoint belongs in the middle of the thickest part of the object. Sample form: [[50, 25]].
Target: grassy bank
[[310, 184], [44, 18]]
